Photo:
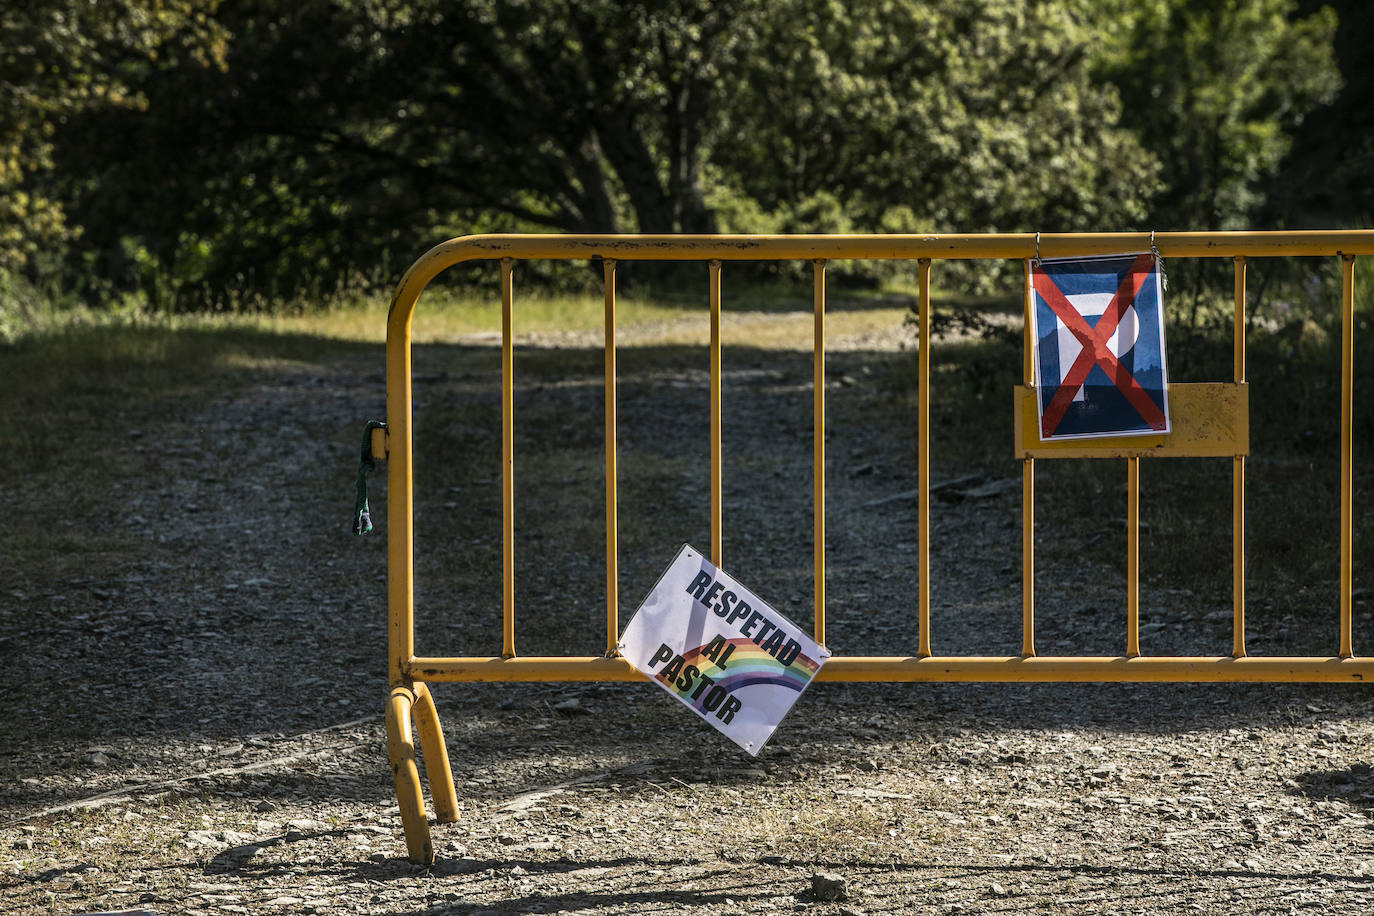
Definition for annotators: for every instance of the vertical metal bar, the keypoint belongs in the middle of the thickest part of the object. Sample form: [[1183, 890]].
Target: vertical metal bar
[[400, 580], [507, 465], [716, 492], [1347, 441], [1238, 482], [612, 512], [1132, 557], [923, 460], [818, 447], [1027, 485], [1028, 328], [1028, 557], [400, 518], [1238, 335], [1238, 556]]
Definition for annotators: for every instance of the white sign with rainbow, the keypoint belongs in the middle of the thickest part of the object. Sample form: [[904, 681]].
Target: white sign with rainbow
[[721, 650]]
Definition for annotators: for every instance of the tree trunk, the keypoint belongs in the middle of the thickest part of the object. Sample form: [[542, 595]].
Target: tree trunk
[[685, 116], [634, 163], [598, 210]]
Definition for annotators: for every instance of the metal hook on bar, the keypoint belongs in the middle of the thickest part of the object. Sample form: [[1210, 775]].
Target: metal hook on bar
[[1163, 276], [1037, 246]]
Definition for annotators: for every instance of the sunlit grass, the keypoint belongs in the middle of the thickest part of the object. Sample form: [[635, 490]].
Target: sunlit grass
[[766, 317], [442, 317]]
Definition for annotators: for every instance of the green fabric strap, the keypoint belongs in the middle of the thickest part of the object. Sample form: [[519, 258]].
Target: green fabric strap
[[362, 518]]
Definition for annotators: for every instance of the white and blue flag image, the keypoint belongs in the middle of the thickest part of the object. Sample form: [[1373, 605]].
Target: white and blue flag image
[[1099, 346]]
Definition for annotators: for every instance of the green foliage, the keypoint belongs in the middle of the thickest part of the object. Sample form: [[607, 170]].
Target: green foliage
[[228, 155], [1214, 89], [1324, 181], [945, 116], [58, 60], [940, 117]]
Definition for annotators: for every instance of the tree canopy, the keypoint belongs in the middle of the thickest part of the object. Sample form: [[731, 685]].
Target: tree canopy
[[260, 148], [61, 60]]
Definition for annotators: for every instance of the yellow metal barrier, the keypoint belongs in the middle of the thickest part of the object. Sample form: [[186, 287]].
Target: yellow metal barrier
[[1211, 420]]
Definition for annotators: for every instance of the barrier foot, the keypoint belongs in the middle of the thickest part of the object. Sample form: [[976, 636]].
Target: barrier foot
[[437, 767], [401, 749]]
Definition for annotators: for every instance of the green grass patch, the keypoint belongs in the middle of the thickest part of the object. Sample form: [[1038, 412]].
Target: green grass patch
[[443, 315]]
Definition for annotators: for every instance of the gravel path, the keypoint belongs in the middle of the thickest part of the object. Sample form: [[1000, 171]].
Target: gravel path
[[194, 679]]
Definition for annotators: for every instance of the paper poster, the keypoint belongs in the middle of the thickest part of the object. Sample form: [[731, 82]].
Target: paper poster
[[1099, 346], [721, 650]]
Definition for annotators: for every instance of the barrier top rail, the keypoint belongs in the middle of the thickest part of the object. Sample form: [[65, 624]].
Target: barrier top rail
[[1307, 243]]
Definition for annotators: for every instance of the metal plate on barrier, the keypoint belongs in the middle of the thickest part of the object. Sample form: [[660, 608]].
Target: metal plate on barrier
[[1210, 420]]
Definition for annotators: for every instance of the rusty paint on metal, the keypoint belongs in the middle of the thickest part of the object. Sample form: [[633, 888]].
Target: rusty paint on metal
[[934, 668]]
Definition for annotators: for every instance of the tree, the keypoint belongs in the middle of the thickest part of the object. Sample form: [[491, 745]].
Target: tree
[[326, 137], [1324, 181], [59, 59], [341, 131], [971, 116], [1215, 89]]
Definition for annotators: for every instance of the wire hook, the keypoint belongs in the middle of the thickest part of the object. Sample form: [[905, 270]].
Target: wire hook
[[1163, 277], [1037, 246]]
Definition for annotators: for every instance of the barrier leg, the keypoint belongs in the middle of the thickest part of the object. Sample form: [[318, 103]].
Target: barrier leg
[[436, 756], [401, 749]]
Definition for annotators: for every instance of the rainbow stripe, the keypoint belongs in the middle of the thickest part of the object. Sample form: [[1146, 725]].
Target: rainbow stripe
[[747, 665]]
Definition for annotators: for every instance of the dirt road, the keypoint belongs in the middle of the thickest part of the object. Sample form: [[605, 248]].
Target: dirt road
[[194, 674]]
